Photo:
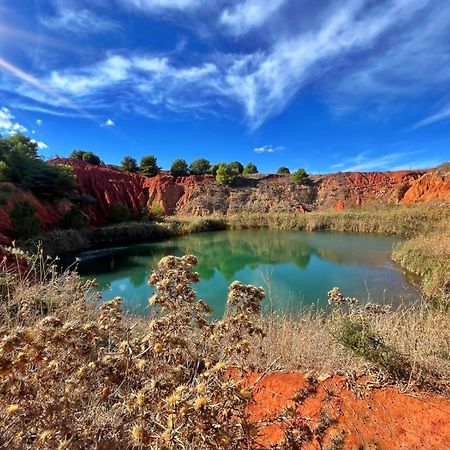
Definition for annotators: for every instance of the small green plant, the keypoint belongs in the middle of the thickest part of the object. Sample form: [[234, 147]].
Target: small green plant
[[283, 170], [24, 220], [120, 213], [74, 218], [300, 177], [250, 168], [156, 212]]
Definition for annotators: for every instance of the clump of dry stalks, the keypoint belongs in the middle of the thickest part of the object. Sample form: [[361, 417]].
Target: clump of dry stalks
[[76, 376]]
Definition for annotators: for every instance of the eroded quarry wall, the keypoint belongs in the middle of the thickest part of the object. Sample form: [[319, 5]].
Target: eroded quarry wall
[[101, 187]]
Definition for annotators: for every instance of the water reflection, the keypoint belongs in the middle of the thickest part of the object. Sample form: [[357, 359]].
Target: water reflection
[[301, 266]]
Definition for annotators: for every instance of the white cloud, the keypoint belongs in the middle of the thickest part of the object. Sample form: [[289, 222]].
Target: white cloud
[[70, 16], [268, 149], [443, 114], [158, 5], [248, 14], [366, 161], [41, 145], [352, 50], [7, 124], [108, 123], [39, 122]]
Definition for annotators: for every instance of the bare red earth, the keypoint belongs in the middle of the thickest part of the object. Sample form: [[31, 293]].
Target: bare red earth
[[101, 187], [373, 419]]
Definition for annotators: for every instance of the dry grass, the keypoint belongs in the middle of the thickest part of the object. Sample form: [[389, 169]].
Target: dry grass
[[428, 256], [418, 336]]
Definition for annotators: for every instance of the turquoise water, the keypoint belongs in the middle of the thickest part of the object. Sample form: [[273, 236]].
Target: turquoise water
[[295, 268]]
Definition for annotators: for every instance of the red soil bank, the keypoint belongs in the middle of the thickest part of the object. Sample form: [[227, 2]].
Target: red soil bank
[[373, 419], [101, 187]]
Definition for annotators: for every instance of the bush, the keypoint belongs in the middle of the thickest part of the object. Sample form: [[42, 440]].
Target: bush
[[250, 168], [213, 169], [88, 157], [283, 170], [120, 213], [129, 164], [179, 168], [20, 164], [237, 167], [300, 176], [149, 166], [74, 218], [200, 166], [156, 212], [24, 221], [226, 175]]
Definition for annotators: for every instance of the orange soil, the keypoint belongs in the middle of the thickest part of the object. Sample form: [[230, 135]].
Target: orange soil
[[374, 419]]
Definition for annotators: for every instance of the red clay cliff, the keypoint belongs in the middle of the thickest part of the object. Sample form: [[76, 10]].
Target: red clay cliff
[[101, 187]]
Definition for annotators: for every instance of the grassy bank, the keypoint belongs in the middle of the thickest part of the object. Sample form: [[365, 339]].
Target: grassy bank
[[401, 220], [79, 375]]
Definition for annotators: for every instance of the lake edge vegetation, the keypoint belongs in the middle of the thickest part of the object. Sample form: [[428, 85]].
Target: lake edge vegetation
[[48, 328]]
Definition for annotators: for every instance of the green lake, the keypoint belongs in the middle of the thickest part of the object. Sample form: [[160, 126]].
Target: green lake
[[295, 268]]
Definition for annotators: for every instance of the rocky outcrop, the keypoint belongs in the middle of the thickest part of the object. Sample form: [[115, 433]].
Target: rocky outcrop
[[101, 187], [433, 185]]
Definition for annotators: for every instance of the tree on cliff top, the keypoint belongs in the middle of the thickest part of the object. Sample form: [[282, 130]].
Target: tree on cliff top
[[200, 166], [300, 176], [226, 174], [237, 167], [283, 170], [129, 164], [250, 168], [88, 157], [179, 168], [149, 166], [21, 165]]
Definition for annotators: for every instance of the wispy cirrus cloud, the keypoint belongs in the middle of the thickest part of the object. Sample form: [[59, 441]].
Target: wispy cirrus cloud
[[151, 6], [248, 14], [443, 114], [372, 161], [71, 17], [352, 52]]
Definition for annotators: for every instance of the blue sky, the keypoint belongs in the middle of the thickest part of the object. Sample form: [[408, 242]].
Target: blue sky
[[322, 84]]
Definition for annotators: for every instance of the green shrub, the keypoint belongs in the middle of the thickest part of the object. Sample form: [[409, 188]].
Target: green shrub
[[179, 168], [283, 170], [156, 212], [21, 165], [200, 166], [237, 167], [300, 176], [129, 164], [88, 157], [74, 218], [213, 169], [120, 213], [226, 175], [25, 223], [149, 166], [250, 168]]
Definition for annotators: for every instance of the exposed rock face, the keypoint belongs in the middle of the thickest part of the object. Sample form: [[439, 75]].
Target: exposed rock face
[[431, 186], [101, 187]]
